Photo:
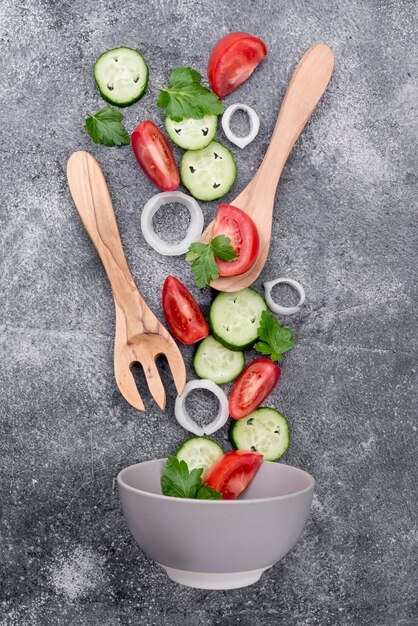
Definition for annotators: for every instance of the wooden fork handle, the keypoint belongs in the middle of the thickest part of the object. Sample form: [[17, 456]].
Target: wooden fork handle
[[91, 197], [305, 89]]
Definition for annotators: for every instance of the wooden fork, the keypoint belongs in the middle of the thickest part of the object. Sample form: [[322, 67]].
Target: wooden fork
[[140, 337]]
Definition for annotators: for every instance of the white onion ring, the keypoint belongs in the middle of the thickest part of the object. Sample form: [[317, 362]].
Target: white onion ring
[[193, 232], [241, 142], [184, 418], [278, 308]]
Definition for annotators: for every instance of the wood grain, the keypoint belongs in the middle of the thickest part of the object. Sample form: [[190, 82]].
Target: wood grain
[[139, 337], [308, 83]]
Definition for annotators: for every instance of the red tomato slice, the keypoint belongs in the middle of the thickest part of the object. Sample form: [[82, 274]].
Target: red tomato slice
[[233, 472], [243, 233], [154, 155], [252, 387], [183, 315], [233, 60]]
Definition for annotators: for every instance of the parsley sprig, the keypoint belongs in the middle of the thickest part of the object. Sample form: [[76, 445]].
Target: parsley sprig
[[202, 256], [106, 127], [178, 482], [186, 97], [275, 339]]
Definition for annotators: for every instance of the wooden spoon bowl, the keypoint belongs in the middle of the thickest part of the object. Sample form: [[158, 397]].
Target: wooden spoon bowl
[[305, 89]]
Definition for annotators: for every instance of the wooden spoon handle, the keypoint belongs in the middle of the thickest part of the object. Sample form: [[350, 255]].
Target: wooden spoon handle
[[305, 89], [92, 200]]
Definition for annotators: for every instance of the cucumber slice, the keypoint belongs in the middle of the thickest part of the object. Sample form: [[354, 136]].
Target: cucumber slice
[[208, 173], [264, 430], [234, 318], [191, 134], [121, 75], [199, 452], [215, 362]]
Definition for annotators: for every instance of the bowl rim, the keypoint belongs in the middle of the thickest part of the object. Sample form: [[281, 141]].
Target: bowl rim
[[158, 496]]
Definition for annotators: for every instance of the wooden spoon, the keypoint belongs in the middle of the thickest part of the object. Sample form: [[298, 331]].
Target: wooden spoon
[[305, 89]]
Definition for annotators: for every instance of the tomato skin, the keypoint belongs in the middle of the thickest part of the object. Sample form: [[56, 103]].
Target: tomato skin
[[233, 60], [182, 313], [154, 155], [233, 472], [252, 387], [240, 228]]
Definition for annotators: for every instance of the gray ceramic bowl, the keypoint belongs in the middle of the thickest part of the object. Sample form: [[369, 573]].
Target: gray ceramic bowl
[[217, 544]]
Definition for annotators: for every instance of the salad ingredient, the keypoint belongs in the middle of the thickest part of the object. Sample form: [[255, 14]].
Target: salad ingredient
[[233, 60], [234, 318], [177, 481], [192, 134], [121, 75], [208, 173], [277, 308], [275, 339], [186, 97], [182, 313], [193, 232], [199, 452], [264, 430], [187, 422], [202, 256], [252, 387], [241, 230], [154, 156], [106, 127], [233, 472], [241, 142], [215, 362]]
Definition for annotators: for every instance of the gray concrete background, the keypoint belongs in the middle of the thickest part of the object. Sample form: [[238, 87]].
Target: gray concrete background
[[345, 227]]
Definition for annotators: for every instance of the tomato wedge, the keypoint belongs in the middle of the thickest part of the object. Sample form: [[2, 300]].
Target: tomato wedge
[[154, 155], [252, 387], [183, 315], [240, 228], [233, 472], [233, 60]]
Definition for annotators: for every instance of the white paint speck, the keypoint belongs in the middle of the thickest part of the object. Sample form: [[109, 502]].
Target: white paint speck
[[366, 445], [77, 574]]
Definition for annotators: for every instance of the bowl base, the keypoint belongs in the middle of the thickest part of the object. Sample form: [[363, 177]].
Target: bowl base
[[204, 580]]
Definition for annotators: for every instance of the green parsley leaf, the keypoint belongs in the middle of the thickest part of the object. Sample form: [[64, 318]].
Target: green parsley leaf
[[204, 268], [195, 251], [106, 127], [202, 256], [207, 493], [186, 97], [181, 76], [178, 482], [222, 249], [275, 339]]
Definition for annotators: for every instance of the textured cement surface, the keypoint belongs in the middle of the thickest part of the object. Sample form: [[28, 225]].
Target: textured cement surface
[[345, 227]]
